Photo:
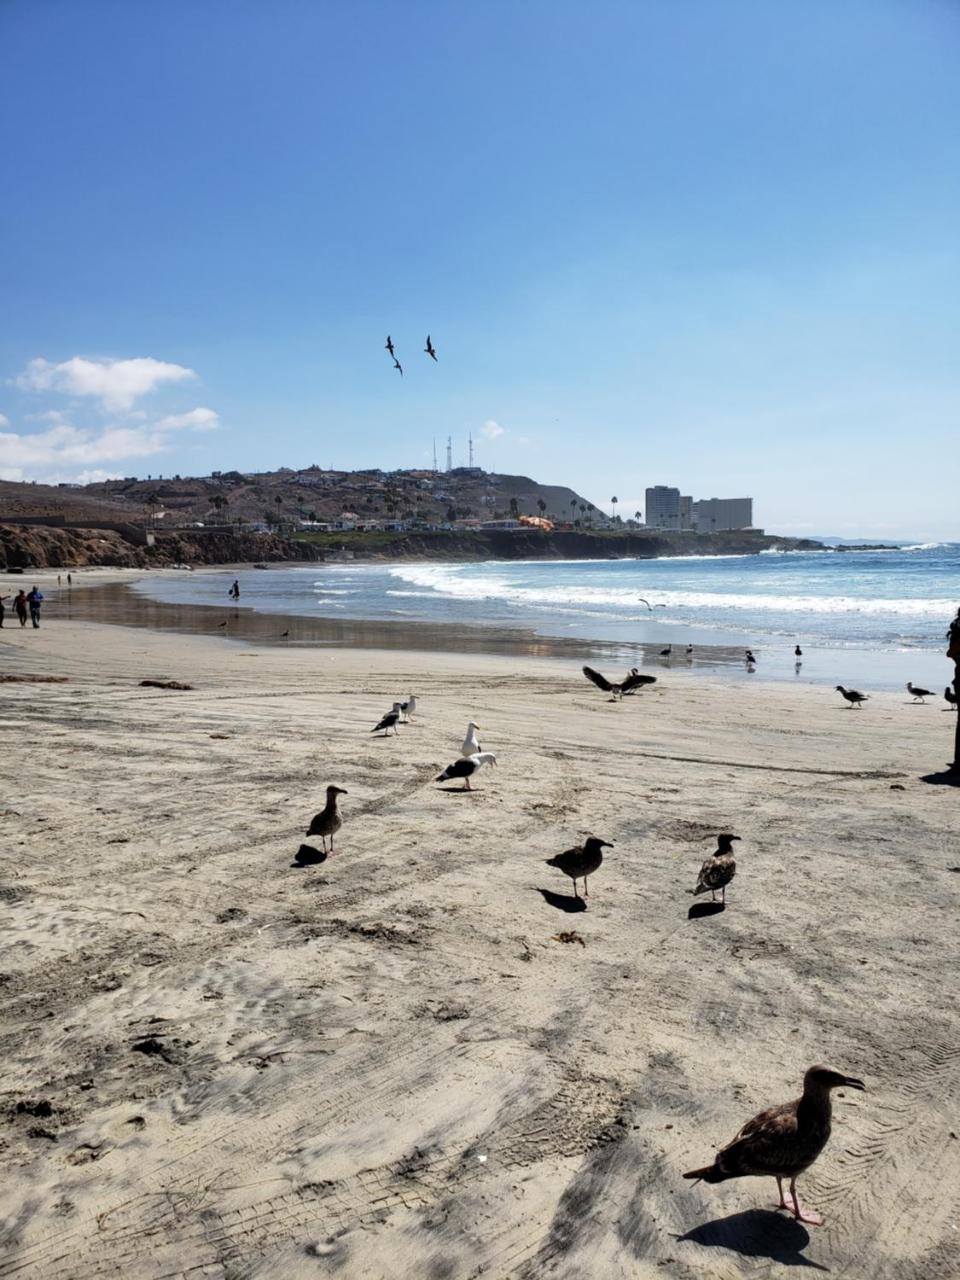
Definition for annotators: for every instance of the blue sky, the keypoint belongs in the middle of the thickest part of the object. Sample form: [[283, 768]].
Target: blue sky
[[705, 243]]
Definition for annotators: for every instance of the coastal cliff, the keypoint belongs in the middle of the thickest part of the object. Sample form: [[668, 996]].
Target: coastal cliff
[[39, 547]]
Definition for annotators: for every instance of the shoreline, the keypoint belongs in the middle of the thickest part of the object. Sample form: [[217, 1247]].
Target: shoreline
[[116, 600]]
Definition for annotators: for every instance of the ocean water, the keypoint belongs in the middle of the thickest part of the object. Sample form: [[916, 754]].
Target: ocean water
[[887, 611]]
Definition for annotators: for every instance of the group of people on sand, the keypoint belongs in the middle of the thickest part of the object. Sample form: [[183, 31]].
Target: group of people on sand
[[25, 603]]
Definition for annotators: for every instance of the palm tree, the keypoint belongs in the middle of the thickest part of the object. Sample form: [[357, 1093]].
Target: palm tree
[[573, 510], [542, 505], [613, 510], [637, 515]]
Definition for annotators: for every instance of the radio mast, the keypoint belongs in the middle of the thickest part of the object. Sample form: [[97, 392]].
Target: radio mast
[[434, 453], [470, 440], [449, 453]]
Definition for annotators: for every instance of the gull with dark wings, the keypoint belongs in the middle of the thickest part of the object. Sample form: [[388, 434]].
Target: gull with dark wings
[[633, 680]]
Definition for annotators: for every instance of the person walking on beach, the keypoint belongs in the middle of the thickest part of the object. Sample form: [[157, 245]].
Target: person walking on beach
[[234, 591], [20, 604], [69, 579], [35, 600]]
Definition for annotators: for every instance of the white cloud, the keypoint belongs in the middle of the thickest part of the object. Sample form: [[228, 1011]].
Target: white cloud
[[196, 420], [43, 454], [116, 383], [4, 420], [492, 429]]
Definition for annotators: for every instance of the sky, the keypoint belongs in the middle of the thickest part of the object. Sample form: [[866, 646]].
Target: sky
[[706, 244]]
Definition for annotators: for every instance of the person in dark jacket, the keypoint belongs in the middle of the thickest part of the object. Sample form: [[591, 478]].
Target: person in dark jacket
[[34, 601]]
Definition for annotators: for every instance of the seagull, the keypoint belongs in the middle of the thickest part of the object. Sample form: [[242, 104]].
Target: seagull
[[783, 1141], [389, 721], [632, 681], [918, 694], [665, 653], [749, 659], [718, 870], [466, 767], [471, 743], [689, 650], [389, 347], [951, 697], [852, 696], [328, 821], [398, 366], [409, 707], [284, 634], [583, 860], [223, 623], [798, 652], [429, 349]]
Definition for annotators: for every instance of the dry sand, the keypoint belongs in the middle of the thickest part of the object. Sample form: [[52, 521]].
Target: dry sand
[[220, 1064]]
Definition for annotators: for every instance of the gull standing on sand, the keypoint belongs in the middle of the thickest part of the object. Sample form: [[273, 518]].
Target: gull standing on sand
[[471, 743], [466, 767], [783, 1141], [919, 694], [665, 653], [409, 708], [951, 697], [581, 861], [389, 721], [328, 821], [853, 697], [718, 870]]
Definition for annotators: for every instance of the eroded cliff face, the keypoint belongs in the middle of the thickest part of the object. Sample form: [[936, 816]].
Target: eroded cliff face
[[41, 547]]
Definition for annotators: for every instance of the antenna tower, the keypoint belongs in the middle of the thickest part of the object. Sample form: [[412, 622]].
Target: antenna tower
[[434, 453], [470, 439], [449, 453]]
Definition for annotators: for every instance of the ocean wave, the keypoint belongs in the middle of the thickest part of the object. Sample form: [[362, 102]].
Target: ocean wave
[[447, 581]]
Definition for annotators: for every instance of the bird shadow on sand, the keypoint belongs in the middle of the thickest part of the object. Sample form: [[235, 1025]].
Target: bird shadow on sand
[[307, 856], [949, 778], [460, 791], [563, 901], [701, 909], [757, 1233]]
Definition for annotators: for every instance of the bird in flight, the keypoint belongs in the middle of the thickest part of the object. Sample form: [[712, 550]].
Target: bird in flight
[[429, 349], [398, 365], [389, 346]]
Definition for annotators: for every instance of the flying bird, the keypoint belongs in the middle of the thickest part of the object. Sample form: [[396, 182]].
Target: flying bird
[[466, 767], [398, 366], [429, 349], [581, 861], [471, 743], [328, 821], [389, 347], [223, 623], [783, 1141], [919, 694], [718, 870], [852, 696], [284, 634], [389, 721], [633, 680]]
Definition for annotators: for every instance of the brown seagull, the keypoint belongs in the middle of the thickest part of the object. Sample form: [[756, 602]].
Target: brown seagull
[[718, 870], [581, 861], [783, 1141], [328, 821], [389, 346], [429, 349]]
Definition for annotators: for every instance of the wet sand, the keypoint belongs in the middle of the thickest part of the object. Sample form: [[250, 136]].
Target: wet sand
[[220, 1062]]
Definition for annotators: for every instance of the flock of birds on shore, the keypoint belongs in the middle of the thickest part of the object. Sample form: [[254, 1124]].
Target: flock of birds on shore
[[780, 1142]]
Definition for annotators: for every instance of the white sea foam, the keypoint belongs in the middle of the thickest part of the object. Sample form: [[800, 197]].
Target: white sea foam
[[449, 581]]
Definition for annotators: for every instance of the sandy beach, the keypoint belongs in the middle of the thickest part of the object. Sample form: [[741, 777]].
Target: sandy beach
[[220, 1063]]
